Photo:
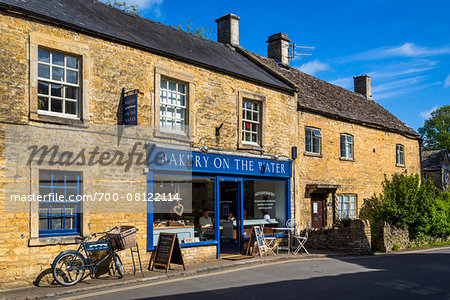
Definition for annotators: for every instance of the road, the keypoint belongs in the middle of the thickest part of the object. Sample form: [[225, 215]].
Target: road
[[412, 275]]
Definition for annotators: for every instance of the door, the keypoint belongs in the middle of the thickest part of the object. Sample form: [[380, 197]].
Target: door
[[230, 207], [317, 210]]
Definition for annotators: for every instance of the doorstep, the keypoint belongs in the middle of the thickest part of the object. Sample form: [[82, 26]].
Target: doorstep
[[106, 281]]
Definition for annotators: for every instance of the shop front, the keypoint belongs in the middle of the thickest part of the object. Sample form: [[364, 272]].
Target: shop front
[[215, 199]]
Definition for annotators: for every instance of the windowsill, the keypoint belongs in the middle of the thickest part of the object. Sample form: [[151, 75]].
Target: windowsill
[[313, 154], [250, 146], [168, 134], [54, 240], [400, 166], [347, 159], [34, 116]]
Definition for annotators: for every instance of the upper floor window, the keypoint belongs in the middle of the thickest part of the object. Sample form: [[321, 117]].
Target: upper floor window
[[59, 208], [251, 122], [400, 155], [58, 84], [346, 206], [346, 146], [173, 106], [313, 138]]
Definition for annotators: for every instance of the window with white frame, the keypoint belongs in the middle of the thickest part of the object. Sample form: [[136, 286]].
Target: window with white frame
[[173, 106], [59, 89], [313, 139], [251, 122], [346, 206], [400, 155], [346, 146]]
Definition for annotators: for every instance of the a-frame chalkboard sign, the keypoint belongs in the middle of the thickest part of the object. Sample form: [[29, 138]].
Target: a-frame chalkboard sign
[[255, 236], [168, 251]]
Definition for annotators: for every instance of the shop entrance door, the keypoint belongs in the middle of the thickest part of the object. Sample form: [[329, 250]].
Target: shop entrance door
[[230, 214]]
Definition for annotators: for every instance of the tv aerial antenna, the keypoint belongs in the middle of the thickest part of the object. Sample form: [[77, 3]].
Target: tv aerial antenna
[[299, 51]]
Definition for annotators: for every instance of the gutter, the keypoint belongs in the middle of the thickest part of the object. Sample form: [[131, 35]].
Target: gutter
[[84, 30]]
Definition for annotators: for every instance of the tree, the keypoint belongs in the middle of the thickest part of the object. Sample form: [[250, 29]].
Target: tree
[[436, 130], [128, 8], [189, 27]]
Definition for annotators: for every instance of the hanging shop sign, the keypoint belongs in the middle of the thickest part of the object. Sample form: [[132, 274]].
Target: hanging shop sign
[[130, 109]]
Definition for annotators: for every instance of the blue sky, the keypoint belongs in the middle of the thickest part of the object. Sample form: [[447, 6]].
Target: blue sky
[[403, 45]]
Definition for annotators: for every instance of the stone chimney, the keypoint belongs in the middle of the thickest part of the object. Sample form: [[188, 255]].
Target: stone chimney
[[363, 85], [228, 30], [278, 47]]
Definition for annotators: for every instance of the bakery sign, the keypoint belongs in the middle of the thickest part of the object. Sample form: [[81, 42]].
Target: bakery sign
[[178, 160]]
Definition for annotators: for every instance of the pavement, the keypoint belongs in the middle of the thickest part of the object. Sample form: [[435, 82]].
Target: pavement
[[400, 275]]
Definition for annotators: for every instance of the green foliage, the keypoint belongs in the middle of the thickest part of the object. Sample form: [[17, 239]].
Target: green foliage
[[396, 247], [436, 130], [199, 31], [122, 5], [406, 203]]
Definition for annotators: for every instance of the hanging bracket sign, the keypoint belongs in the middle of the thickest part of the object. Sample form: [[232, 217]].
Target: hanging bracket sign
[[130, 108]]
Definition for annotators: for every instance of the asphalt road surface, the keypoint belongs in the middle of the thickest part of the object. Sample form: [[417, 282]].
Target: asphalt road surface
[[412, 275]]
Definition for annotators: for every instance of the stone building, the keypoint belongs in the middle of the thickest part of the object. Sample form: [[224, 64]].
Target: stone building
[[244, 140], [436, 167]]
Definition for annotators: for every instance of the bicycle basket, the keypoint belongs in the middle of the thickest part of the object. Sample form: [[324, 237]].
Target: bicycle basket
[[122, 237]]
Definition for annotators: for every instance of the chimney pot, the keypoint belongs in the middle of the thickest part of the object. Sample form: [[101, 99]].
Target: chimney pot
[[228, 29], [278, 47], [363, 85]]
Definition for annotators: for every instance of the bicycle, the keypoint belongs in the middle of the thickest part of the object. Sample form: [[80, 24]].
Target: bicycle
[[69, 266]]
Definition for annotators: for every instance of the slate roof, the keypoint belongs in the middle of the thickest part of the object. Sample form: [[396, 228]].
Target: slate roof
[[94, 17], [322, 97], [433, 160]]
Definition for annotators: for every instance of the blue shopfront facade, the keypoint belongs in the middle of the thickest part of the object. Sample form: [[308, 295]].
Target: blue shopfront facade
[[237, 191]]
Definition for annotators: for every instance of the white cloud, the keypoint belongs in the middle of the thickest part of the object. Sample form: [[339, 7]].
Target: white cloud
[[447, 81], [405, 50], [427, 114], [312, 67], [402, 83], [144, 4], [345, 82]]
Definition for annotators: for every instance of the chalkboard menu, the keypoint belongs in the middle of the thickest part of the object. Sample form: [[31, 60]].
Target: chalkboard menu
[[168, 250], [256, 236]]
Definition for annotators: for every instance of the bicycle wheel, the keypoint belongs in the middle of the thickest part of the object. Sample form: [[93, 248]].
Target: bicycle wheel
[[68, 268], [119, 266]]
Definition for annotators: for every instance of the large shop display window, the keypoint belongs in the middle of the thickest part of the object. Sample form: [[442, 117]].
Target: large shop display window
[[264, 204], [194, 220]]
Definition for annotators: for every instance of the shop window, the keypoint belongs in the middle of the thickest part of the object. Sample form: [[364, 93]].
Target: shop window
[[313, 139], [346, 206], [264, 203], [346, 146], [173, 106], [195, 223], [400, 155], [59, 89], [59, 208], [251, 125]]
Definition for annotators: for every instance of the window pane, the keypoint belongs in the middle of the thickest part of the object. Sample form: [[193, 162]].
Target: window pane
[[56, 90], [349, 150], [72, 62], [343, 146], [70, 223], [42, 103], [170, 111], [42, 87], [172, 86], [57, 74], [43, 71], [308, 140], [57, 223], [43, 56], [44, 223], [181, 88], [316, 145], [71, 92], [56, 105], [57, 59], [71, 107], [163, 84], [181, 100], [72, 77], [349, 139], [255, 116]]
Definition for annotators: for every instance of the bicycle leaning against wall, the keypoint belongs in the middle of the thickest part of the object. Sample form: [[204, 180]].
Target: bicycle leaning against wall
[[70, 266]]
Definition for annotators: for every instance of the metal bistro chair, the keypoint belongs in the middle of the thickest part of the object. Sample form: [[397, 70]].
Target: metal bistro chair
[[301, 239], [270, 243]]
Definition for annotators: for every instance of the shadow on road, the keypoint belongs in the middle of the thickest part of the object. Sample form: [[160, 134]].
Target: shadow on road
[[386, 276]]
